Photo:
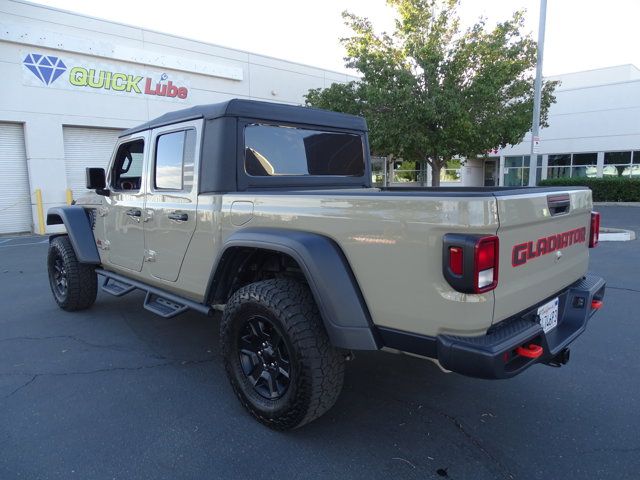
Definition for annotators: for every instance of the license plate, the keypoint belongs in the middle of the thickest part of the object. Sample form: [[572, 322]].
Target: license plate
[[548, 315]]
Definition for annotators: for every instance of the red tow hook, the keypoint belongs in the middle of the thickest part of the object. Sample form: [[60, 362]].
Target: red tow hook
[[596, 304], [530, 351]]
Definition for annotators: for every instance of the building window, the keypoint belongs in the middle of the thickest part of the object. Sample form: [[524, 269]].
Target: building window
[[572, 165], [559, 166], [584, 165], [635, 168], [491, 171], [617, 164], [516, 170]]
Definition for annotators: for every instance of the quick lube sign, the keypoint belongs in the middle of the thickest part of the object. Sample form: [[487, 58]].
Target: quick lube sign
[[122, 82], [70, 73]]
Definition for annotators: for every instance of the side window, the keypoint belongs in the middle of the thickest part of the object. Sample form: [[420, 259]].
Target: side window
[[175, 155], [126, 174], [272, 150]]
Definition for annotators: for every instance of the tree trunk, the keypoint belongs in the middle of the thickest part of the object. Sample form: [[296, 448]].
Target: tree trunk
[[435, 172]]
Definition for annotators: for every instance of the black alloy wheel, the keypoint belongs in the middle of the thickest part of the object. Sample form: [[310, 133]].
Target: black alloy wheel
[[59, 282], [264, 357]]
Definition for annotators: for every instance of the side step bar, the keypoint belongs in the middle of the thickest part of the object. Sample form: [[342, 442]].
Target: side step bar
[[163, 306], [158, 301], [116, 288]]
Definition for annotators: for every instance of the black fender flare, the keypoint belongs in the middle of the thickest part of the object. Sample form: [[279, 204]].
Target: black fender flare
[[76, 221], [329, 275]]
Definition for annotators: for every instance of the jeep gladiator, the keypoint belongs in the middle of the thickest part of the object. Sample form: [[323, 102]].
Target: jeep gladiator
[[267, 213]]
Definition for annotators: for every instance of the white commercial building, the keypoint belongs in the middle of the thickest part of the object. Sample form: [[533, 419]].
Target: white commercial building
[[71, 83], [594, 131]]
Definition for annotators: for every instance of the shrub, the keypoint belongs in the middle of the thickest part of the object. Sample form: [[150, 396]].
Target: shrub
[[607, 189]]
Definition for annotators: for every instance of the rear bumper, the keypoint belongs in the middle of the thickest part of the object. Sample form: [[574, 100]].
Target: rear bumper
[[494, 355]]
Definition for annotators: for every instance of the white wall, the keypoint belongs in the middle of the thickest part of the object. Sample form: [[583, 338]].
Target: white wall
[[590, 119], [595, 111], [598, 76], [472, 173]]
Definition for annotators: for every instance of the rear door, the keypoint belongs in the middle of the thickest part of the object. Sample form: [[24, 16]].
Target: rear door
[[544, 239], [172, 198]]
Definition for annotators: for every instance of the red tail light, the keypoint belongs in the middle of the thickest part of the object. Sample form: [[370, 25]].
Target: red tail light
[[594, 234], [455, 260], [485, 275], [470, 262]]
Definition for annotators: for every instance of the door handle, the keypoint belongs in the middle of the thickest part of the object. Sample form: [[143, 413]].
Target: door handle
[[132, 212], [178, 217]]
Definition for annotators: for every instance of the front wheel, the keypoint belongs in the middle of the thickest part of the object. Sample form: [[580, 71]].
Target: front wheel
[[74, 285], [277, 354]]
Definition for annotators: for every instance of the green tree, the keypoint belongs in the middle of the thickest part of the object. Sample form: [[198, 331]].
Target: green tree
[[434, 91]]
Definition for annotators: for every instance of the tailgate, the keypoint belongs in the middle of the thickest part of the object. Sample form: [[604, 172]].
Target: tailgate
[[544, 240]]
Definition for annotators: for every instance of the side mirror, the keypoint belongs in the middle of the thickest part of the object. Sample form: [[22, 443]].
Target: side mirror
[[96, 180]]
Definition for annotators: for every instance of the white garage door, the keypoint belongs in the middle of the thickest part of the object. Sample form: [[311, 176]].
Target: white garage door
[[15, 200], [86, 147]]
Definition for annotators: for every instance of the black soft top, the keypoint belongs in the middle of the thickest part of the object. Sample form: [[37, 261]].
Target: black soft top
[[259, 110]]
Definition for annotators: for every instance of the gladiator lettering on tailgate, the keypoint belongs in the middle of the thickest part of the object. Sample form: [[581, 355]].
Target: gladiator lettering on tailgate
[[524, 252]]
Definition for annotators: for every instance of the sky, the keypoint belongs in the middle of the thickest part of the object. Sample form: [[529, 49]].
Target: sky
[[580, 34]]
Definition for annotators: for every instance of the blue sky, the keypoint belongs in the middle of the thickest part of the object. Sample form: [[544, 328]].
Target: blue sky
[[581, 34]]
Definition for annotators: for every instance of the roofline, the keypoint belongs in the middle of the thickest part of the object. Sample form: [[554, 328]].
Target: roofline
[[190, 39], [594, 70], [597, 85], [256, 109]]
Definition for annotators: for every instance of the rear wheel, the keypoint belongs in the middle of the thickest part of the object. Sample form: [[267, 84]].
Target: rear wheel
[[277, 354], [74, 285]]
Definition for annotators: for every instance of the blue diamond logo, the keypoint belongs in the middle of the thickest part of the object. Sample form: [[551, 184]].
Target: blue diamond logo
[[47, 68]]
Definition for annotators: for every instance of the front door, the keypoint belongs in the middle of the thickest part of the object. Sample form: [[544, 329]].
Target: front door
[[490, 173], [123, 207], [172, 198]]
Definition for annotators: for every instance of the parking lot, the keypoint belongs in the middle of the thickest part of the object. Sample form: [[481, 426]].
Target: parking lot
[[115, 392]]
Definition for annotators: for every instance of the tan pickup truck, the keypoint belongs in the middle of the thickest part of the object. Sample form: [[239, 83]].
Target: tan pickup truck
[[266, 212]]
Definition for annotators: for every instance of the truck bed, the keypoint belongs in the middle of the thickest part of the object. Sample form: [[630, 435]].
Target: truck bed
[[392, 238]]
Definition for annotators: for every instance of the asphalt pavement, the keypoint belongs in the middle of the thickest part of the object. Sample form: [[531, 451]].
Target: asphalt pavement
[[620, 217], [115, 392]]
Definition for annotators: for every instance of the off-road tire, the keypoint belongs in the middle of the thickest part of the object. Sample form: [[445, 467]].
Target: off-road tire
[[317, 368], [80, 279]]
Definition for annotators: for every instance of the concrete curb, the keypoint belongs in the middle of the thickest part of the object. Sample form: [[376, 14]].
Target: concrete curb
[[617, 204], [616, 235]]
